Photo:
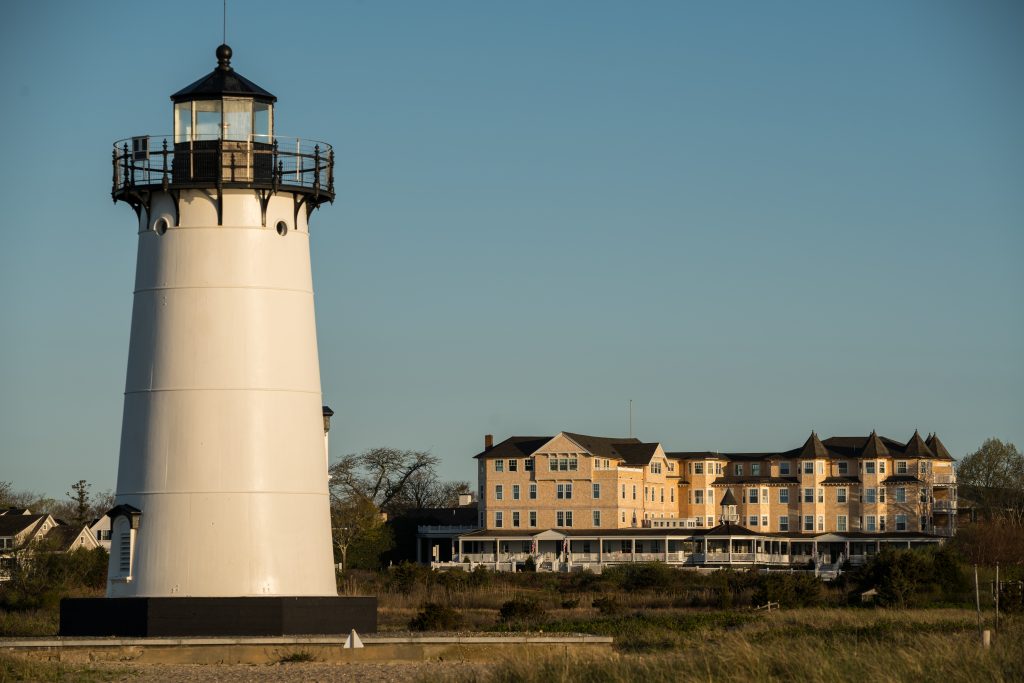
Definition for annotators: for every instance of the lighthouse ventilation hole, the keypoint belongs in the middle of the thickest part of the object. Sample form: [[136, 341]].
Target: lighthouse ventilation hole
[[160, 226], [282, 228]]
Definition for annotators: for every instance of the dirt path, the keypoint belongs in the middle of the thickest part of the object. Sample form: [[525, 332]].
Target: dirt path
[[406, 672]]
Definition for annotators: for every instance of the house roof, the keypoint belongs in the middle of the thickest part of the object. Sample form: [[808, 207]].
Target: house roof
[[839, 481], [728, 498], [813, 448], [63, 536], [937, 447], [15, 511], [603, 446], [515, 447], [638, 454], [874, 448], [12, 525], [902, 479], [695, 455], [732, 479], [917, 448]]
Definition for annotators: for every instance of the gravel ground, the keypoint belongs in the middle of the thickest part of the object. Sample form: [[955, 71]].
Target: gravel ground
[[363, 672]]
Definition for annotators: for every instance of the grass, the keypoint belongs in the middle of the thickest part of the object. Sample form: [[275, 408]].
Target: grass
[[811, 646], [18, 669], [296, 657]]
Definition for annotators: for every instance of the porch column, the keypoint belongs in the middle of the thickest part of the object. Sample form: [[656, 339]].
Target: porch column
[[729, 541], [632, 547], [419, 550], [600, 550]]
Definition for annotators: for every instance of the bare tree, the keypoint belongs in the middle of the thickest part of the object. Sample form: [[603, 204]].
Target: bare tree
[[995, 476], [381, 475]]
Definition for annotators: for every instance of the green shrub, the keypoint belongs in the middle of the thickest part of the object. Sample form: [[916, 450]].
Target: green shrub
[[522, 611], [436, 617], [570, 603], [297, 656], [405, 576]]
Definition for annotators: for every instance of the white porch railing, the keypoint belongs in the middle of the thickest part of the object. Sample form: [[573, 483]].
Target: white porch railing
[[943, 479]]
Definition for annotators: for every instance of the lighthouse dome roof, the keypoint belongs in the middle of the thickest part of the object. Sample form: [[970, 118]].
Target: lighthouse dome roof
[[222, 81]]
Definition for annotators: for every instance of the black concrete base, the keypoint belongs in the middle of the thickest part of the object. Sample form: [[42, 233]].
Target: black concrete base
[[271, 616]]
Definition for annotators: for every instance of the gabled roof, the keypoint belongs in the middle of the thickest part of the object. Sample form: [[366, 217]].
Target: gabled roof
[[902, 479], [813, 448], [515, 447], [15, 511], [636, 454], [602, 446], [728, 498], [916, 447], [874, 448], [937, 447], [725, 529], [63, 536], [12, 525], [222, 81], [695, 455]]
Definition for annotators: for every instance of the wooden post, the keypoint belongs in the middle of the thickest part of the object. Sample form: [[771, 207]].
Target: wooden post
[[997, 598], [977, 598]]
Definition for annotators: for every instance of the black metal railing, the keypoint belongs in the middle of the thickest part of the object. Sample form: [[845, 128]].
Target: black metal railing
[[278, 163]]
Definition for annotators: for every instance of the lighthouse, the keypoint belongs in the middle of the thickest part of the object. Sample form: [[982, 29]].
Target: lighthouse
[[222, 517]]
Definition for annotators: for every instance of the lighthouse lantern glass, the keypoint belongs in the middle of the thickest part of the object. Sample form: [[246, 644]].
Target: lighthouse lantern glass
[[262, 122], [237, 118], [208, 119], [182, 121]]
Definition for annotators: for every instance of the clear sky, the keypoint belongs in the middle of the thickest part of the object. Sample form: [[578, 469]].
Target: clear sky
[[751, 218]]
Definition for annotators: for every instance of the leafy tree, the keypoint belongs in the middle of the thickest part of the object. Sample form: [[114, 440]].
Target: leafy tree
[[358, 532], [994, 474]]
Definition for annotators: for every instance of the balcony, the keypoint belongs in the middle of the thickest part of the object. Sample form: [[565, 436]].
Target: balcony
[[147, 163], [944, 505], [944, 480]]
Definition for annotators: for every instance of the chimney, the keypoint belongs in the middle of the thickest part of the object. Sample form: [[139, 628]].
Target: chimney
[[488, 441]]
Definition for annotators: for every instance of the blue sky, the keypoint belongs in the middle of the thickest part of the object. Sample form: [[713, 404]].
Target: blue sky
[[753, 219]]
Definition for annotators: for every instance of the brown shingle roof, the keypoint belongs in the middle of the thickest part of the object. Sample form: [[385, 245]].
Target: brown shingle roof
[[605, 447], [12, 525], [874, 448], [916, 447], [813, 448], [637, 454], [515, 447], [938, 448]]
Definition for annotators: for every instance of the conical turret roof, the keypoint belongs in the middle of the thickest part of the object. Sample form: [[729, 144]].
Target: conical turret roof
[[937, 447], [916, 447], [813, 448], [874, 448], [728, 498]]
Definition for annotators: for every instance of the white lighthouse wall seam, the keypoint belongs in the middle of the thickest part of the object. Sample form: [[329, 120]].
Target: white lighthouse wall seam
[[222, 444]]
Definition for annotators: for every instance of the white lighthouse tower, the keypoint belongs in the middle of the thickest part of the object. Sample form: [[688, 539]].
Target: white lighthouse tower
[[222, 479]]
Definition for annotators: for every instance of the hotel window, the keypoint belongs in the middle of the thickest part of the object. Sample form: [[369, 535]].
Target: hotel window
[[671, 467], [563, 464], [784, 523], [752, 495], [513, 465], [881, 467], [568, 518], [841, 523], [901, 467], [840, 495], [515, 491], [552, 463], [844, 468], [574, 464], [672, 495], [563, 491], [597, 490], [515, 518], [710, 497], [634, 491], [597, 518], [753, 520], [783, 495], [871, 526], [737, 469], [881, 494], [821, 522], [809, 467], [499, 465], [821, 495], [881, 522], [533, 492], [662, 494], [821, 467], [901, 522], [623, 492], [711, 520], [870, 495], [533, 518], [808, 523], [924, 495], [528, 465], [718, 468], [783, 469], [498, 519], [698, 497], [923, 467], [623, 517], [764, 521], [499, 492], [808, 495], [924, 522], [698, 468], [656, 467], [755, 469], [869, 467]]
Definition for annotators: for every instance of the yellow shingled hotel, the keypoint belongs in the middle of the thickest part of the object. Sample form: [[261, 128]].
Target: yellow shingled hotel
[[573, 501]]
